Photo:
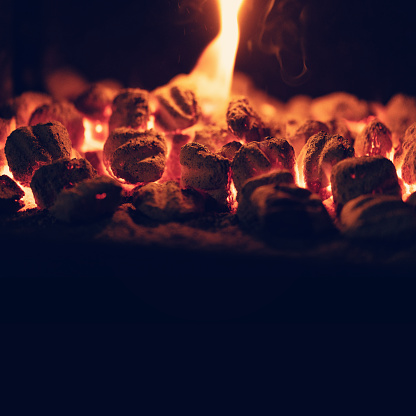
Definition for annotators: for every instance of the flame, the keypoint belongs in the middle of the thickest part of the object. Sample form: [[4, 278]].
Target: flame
[[300, 180], [213, 74], [95, 134]]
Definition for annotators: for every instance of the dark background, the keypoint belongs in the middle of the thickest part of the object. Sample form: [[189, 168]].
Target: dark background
[[363, 47]]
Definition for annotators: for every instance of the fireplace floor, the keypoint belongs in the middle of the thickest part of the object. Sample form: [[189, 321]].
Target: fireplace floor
[[202, 270]]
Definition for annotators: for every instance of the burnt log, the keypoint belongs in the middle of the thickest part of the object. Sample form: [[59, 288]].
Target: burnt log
[[130, 108], [28, 148], [177, 108], [357, 176], [49, 180], [135, 156]]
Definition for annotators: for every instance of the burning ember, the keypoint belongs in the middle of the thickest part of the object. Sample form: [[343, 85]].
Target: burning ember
[[209, 141]]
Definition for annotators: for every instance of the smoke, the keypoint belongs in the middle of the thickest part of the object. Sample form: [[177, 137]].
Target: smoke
[[281, 26]]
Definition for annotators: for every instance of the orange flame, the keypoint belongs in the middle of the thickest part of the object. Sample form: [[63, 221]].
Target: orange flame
[[213, 74]]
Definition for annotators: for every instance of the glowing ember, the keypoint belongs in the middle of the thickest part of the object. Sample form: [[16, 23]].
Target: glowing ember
[[28, 199]]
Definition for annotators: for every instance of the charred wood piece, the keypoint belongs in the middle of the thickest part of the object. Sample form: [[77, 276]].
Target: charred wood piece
[[375, 139], [49, 180], [167, 201], [177, 108], [378, 217], [28, 148], [89, 200], [10, 195], [257, 158], [357, 176], [244, 122], [64, 112], [130, 108], [206, 171], [135, 156]]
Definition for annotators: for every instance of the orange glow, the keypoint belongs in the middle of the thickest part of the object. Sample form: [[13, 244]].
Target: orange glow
[[232, 197], [213, 74], [357, 127], [300, 180], [28, 199], [95, 135]]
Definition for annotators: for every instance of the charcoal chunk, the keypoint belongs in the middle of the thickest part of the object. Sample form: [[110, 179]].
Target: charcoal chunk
[[213, 137], [65, 113], [10, 195], [339, 105], [257, 158], [130, 108], [28, 148], [95, 101], [230, 149], [304, 132], [89, 200], [375, 139], [409, 163], [243, 121], [49, 180], [167, 201], [135, 156], [357, 176], [26, 103], [177, 109], [282, 212], [400, 112], [317, 158], [378, 217], [206, 171], [246, 211]]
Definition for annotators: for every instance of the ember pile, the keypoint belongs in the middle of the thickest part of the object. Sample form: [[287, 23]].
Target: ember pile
[[310, 168]]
